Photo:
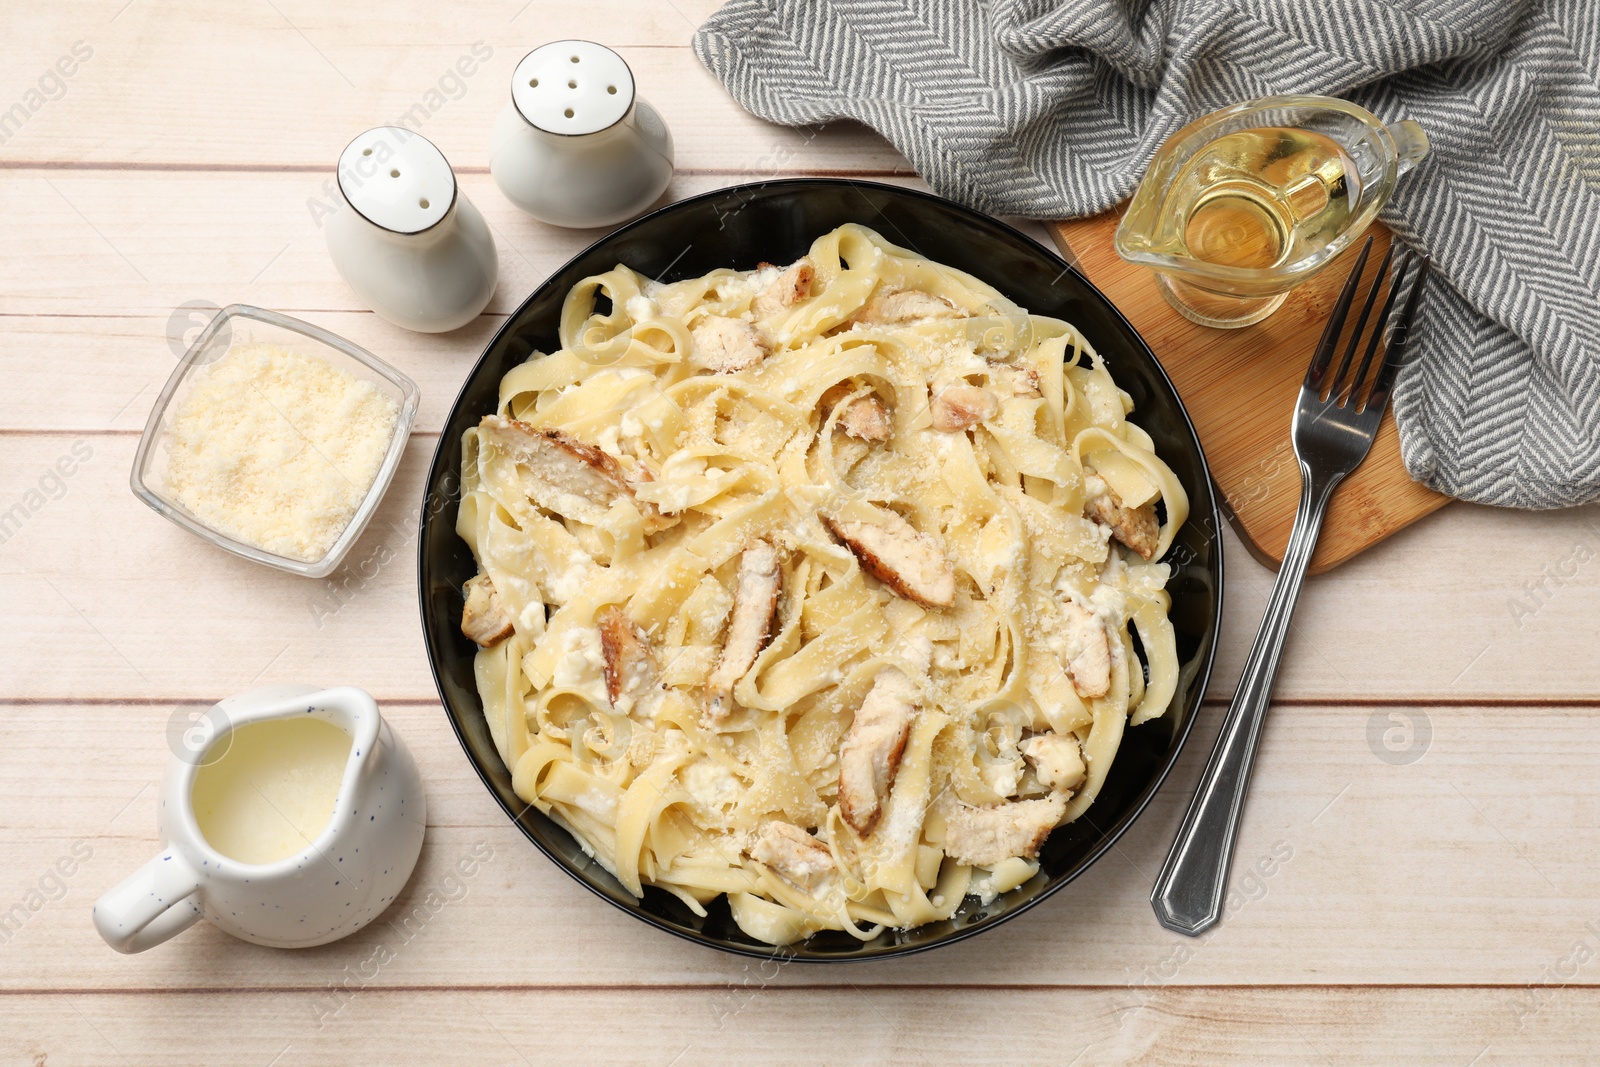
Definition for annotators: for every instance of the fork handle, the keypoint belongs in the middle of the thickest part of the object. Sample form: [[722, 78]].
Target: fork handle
[[1188, 894]]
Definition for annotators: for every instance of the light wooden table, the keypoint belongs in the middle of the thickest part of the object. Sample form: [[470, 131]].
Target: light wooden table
[[1416, 880]]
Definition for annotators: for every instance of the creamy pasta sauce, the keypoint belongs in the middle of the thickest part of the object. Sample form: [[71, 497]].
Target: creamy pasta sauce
[[816, 586]]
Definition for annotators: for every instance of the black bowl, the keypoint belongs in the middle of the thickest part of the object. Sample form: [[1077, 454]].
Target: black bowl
[[777, 221]]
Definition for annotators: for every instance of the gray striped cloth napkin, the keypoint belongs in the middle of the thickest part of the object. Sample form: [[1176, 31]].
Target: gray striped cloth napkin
[[1053, 108]]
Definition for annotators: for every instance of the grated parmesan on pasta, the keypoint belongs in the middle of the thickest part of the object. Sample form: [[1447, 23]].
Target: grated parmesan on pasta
[[278, 449], [832, 587]]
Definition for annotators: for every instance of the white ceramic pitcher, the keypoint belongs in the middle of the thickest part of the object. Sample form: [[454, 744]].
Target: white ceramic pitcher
[[343, 880]]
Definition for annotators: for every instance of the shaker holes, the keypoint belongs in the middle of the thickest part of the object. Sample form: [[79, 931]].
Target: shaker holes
[[422, 204], [568, 112], [394, 174], [533, 83], [574, 59], [573, 84], [366, 151], [612, 89]]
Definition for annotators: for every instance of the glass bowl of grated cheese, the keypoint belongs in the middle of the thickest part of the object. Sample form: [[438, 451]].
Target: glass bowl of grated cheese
[[275, 440]]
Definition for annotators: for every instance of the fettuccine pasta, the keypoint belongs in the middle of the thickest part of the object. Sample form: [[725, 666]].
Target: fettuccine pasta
[[830, 588]]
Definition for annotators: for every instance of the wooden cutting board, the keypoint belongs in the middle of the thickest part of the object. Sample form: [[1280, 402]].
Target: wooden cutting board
[[1240, 388]]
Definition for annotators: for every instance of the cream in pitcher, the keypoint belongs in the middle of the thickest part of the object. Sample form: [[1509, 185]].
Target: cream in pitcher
[[295, 821], [272, 792]]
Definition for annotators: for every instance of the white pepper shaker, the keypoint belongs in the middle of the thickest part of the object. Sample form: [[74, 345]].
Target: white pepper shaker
[[411, 244], [576, 145]]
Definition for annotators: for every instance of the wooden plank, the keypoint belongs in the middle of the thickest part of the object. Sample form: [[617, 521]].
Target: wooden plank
[[95, 357], [1239, 387], [1461, 866], [153, 241], [290, 83], [1486, 605], [751, 1022], [101, 374]]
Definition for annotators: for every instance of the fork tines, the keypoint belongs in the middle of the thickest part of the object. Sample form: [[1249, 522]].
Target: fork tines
[[1343, 390]]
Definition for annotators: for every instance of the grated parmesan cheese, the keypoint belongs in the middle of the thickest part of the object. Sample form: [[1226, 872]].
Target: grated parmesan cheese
[[278, 450]]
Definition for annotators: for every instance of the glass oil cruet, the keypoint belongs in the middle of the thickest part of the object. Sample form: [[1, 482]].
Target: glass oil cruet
[[1241, 206]]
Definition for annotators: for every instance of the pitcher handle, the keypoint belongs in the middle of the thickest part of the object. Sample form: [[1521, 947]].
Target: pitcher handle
[[1410, 145], [153, 904]]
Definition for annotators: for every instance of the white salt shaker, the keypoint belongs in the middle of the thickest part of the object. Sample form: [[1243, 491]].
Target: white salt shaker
[[412, 245], [576, 145]]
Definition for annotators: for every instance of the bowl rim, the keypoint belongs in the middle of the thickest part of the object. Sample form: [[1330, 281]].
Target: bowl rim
[[405, 416], [1209, 513]]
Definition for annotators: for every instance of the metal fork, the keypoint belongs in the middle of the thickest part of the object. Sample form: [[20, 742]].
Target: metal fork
[[1335, 421]]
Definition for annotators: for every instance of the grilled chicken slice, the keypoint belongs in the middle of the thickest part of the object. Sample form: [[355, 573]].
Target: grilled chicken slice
[[865, 418], [870, 753], [985, 836], [957, 408], [1088, 650], [787, 290], [726, 345], [794, 855], [564, 475], [484, 618], [1135, 527], [896, 554], [1023, 381], [630, 666], [755, 604], [1057, 760], [888, 308]]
